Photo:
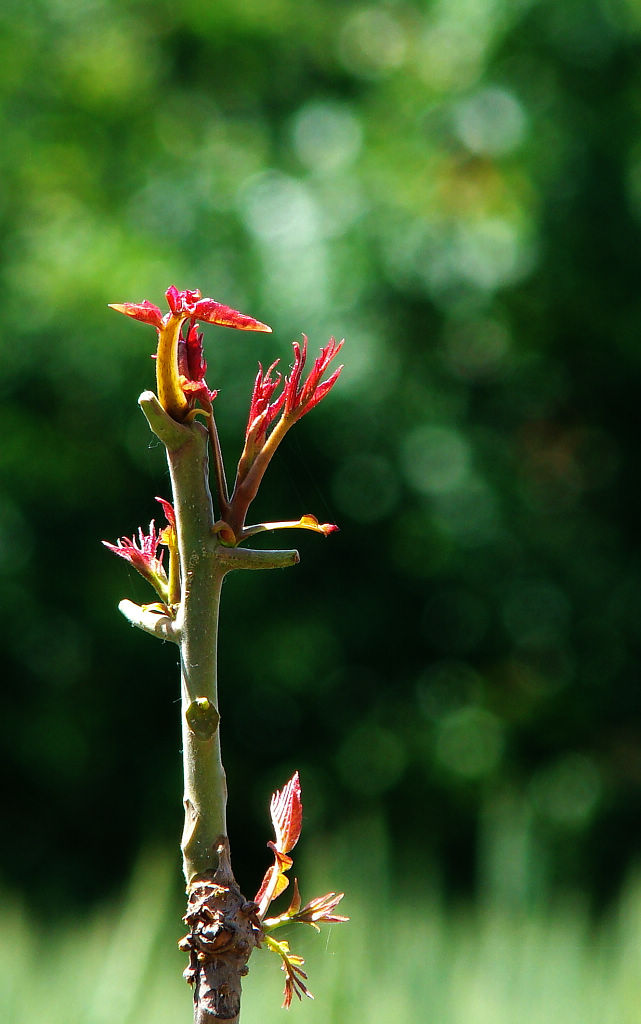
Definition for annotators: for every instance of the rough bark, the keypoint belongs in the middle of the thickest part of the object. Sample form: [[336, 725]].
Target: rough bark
[[223, 931]]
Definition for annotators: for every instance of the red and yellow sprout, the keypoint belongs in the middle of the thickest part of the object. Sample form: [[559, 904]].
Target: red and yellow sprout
[[180, 374], [142, 555], [286, 811], [269, 420], [291, 405], [183, 392]]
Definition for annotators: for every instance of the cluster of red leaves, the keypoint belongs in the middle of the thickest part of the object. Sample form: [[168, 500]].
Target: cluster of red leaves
[[142, 553], [299, 399], [286, 811], [269, 420], [269, 417], [189, 305], [294, 401]]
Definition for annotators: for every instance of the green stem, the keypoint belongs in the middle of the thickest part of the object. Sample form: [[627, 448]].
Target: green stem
[[204, 562], [223, 929], [205, 793]]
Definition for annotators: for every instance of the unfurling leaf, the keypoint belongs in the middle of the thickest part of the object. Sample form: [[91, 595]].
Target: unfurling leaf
[[316, 911], [320, 909], [292, 965], [286, 812]]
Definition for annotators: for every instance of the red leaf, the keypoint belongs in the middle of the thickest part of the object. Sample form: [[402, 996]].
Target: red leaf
[[145, 311], [189, 303], [286, 812], [321, 909], [301, 398], [168, 509], [142, 554], [211, 312]]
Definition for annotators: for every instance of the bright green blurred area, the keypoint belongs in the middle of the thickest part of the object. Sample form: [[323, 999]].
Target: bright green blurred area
[[398, 958], [456, 188]]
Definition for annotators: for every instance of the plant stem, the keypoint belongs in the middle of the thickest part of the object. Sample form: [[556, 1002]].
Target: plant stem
[[222, 930], [205, 794], [223, 925]]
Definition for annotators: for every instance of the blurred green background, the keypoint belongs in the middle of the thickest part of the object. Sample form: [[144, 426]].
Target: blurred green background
[[455, 187]]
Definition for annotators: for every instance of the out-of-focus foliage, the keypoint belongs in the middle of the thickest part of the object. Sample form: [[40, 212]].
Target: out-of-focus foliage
[[456, 187], [119, 964]]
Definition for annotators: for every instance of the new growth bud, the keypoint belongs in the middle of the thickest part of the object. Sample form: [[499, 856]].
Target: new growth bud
[[180, 374], [287, 814], [142, 553], [268, 422]]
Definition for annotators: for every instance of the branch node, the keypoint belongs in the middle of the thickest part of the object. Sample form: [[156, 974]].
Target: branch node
[[172, 434], [202, 718]]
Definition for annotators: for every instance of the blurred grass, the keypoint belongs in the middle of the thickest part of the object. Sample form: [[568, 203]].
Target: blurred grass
[[400, 958]]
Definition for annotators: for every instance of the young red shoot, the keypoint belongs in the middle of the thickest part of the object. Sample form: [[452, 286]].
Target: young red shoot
[[286, 811], [178, 390], [142, 553], [267, 425]]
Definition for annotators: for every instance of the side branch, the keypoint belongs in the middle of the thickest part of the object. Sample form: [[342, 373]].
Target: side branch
[[150, 620], [249, 558]]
